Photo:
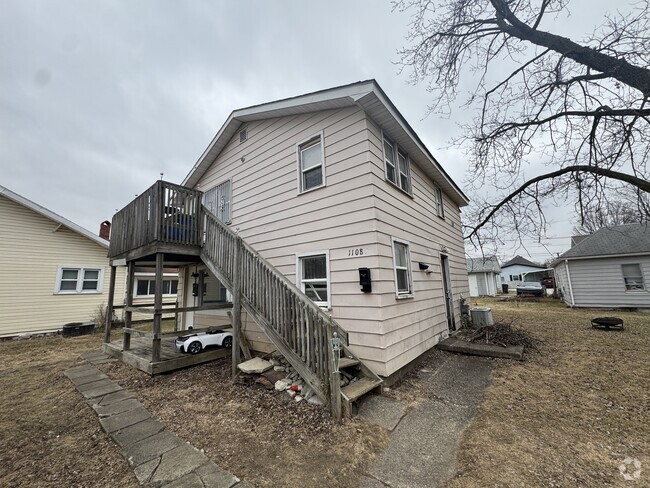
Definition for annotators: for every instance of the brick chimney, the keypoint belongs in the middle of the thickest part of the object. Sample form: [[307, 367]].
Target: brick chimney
[[105, 230]]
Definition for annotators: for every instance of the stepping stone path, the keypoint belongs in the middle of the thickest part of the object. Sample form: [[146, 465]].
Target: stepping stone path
[[158, 457]]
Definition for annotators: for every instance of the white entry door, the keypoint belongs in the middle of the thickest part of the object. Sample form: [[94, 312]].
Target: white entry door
[[473, 285]]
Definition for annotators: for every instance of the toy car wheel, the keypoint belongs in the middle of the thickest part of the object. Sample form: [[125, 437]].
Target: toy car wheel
[[227, 342], [194, 347]]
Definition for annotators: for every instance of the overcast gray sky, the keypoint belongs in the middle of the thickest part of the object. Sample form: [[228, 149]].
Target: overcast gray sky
[[99, 97]]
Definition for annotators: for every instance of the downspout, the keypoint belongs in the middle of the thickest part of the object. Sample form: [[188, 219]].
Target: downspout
[[568, 275]]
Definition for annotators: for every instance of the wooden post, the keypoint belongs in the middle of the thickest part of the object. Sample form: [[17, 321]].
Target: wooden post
[[109, 308], [335, 377], [128, 315], [236, 305], [157, 316]]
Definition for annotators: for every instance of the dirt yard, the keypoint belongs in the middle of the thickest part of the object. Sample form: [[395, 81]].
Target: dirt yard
[[50, 437], [572, 413], [567, 416]]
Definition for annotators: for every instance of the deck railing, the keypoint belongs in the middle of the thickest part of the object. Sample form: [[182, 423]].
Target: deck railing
[[300, 329], [165, 213]]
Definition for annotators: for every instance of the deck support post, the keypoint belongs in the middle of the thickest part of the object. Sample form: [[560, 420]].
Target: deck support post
[[158, 302], [128, 315], [109, 308], [335, 376], [236, 305]]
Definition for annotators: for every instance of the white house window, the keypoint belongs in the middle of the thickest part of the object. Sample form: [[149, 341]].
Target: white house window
[[79, 280], [147, 287], [402, 260], [397, 165], [515, 277], [218, 200], [313, 277], [440, 209], [310, 163], [633, 277]]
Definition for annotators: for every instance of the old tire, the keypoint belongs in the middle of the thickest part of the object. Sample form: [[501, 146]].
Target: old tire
[[194, 348], [227, 342]]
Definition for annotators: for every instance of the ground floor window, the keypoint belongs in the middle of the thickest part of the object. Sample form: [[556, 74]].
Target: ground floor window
[[147, 287], [313, 277], [402, 260], [79, 280], [633, 277]]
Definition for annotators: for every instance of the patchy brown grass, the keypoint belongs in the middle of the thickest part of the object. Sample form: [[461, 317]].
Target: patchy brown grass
[[571, 413], [50, 437]]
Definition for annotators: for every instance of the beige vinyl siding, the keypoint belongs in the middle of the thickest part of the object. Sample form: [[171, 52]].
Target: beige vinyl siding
[[599, 283], [411, 326], [31, 252], [279, 222], [168, 301], [356, 209]]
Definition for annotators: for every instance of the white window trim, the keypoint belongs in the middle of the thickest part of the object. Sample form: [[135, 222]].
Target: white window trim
[[410, 294], [299, 171], [440, 210], [645, 285], [148, 276], [396, 150], [79, 290], [299, 282]]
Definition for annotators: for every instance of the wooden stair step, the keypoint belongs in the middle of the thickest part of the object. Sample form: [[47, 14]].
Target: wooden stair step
[[347, 362], [359, 388]]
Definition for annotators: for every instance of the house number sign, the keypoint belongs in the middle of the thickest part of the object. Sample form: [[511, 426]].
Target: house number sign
[[357, 251]]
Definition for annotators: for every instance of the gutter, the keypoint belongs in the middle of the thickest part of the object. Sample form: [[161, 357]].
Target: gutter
[[568, 275]]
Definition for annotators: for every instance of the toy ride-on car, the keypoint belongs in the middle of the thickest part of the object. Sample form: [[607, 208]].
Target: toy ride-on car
[[197, 342]]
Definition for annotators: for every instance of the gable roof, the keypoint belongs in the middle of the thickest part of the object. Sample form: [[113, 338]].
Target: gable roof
[[522, 262], [5, 192], [618, 240], [483, 265], [367, 95]]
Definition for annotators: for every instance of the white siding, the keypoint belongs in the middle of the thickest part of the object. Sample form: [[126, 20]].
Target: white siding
[[356, 209], [31, 252], [599, 283], [514, 270]]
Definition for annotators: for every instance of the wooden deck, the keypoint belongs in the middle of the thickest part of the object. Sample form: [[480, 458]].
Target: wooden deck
[[139, 355]]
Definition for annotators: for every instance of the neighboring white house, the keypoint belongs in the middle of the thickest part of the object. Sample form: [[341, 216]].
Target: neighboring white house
[[610, 269], [483, 274], [52, 271], [325, 185], [518, 270]]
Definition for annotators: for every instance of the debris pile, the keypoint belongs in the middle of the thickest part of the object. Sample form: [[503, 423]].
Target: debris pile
[[501, 333]]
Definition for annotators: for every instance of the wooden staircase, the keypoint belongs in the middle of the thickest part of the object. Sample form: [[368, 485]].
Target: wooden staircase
[[298, 328]]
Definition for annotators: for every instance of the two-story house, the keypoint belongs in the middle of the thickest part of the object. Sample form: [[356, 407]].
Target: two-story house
[[339, 195]]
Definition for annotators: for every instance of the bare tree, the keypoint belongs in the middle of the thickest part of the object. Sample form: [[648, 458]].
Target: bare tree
[[620, 211], [580, 108]]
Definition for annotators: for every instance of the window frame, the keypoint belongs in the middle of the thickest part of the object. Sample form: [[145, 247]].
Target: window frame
[[409, 271], [397, 150], [640, 275], [300, 283], [81, 272], [152, 277], [307, 143], [440, 206], [217, 213]]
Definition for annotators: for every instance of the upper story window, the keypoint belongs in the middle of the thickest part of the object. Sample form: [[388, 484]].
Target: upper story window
[[311, 163], [313, 277], [218, 200], [440, 209], [402, 260], [396, 163], [79, 280], [633, 277]]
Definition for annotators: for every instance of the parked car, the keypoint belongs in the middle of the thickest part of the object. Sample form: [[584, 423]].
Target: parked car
[[195, 343], [530, 288], [548, 282]]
